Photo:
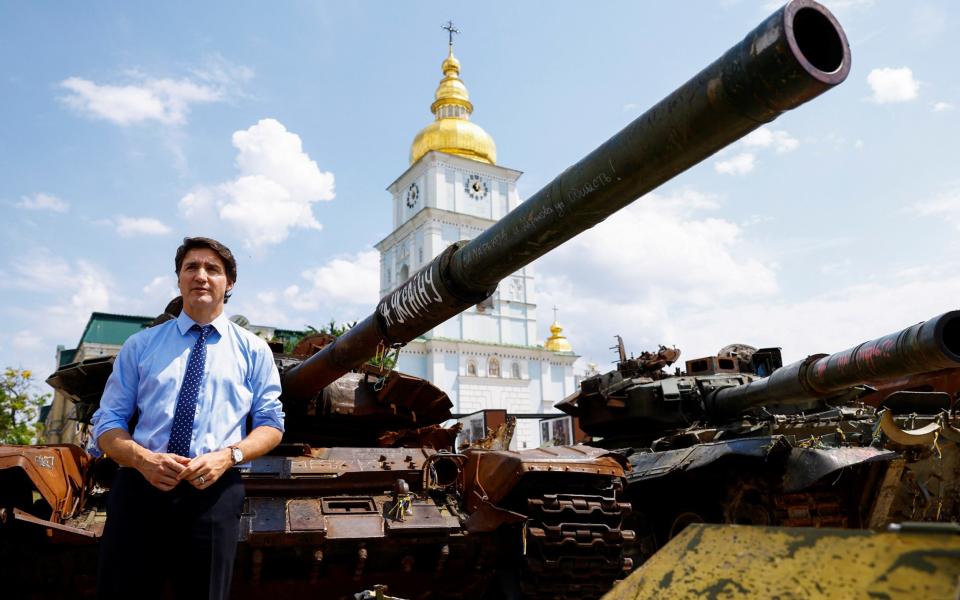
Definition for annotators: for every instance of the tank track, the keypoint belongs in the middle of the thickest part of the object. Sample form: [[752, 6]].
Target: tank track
[[574, 545], [810, 509]]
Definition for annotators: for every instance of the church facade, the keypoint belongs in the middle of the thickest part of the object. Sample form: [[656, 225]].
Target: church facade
[[488, 357]]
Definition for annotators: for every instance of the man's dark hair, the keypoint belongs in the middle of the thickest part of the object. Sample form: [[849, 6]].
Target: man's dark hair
[[229, 263]]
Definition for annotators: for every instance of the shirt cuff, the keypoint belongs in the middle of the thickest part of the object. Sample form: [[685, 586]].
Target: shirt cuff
[[103, 427], [268, 420]]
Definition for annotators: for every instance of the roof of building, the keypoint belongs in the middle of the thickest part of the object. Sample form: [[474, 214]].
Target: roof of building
[[111, 329], [67, 356]]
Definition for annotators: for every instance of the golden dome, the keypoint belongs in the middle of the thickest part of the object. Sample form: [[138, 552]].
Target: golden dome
[[557, 342], [452, 131]]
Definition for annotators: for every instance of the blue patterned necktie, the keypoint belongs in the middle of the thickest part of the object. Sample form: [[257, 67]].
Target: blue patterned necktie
[[181, 434]]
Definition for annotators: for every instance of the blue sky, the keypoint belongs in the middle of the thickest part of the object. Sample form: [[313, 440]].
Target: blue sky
[[276, 128]]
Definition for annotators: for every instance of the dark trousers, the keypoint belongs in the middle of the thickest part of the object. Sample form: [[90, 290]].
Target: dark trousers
[[187, 537]]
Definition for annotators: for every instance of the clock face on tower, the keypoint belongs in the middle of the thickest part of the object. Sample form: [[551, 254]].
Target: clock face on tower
[[413, 195], [476, 187]]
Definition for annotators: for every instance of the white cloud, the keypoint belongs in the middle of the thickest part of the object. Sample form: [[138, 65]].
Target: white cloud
[[134, 226], [218, 71], [694, 280], [946, 205], [893, 85], [277, 184], [830, 322], [740, 164], [164, 100], [744, 157], [264, 311], [76, 288], [353, 278], [41, 201], [350, 279], [161, 288], [630, 106], [942, 106], [679, 253], [345, 288], [765, 137], [27, 340]]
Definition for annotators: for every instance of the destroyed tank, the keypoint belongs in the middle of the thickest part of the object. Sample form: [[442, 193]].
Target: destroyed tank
[[737, 438], [541, 523], [366, 490]]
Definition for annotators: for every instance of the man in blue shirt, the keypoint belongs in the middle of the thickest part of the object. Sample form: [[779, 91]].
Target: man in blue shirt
[[192, 383]]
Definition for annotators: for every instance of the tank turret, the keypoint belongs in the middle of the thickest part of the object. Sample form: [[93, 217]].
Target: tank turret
[[646, 403]]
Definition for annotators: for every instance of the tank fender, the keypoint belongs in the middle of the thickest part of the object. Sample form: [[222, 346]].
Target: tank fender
[[56, 471], [488, 476], [651, 465], [806, 466]]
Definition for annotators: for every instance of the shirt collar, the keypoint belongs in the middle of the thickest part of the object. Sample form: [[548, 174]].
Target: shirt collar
[[184, 323]]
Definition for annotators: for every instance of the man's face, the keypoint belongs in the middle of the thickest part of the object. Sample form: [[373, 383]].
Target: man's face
[[203, 280]]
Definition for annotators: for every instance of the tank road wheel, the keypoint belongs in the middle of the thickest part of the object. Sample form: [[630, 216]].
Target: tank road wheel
[[748, 502]]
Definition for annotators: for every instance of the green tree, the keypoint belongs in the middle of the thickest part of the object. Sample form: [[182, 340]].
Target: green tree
[[19, 408]]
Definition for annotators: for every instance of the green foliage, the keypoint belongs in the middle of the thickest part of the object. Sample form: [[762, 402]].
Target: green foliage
[[387, 361], [19, 408], [330, 328], [336, 330]]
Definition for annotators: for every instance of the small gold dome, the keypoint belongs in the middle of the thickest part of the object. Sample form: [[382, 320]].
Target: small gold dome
[[452, 132], [557, 342]]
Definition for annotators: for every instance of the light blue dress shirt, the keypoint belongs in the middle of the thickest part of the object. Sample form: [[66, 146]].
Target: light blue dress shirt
[[239, 378]]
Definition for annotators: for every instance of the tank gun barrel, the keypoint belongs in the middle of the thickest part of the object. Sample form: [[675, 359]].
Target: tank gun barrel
[[794, 55], [927, 346]]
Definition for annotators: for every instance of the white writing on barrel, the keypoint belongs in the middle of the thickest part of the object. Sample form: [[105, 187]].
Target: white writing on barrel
[[410, 300]]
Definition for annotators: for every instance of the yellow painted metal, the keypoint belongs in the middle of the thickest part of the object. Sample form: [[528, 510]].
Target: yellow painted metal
[[746, 562]]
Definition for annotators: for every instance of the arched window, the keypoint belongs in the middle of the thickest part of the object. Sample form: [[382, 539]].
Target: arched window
[[515, 370], [471, 367], [493, 367], [404, 273]]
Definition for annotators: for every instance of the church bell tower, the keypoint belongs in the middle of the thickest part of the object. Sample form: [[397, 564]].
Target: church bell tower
[[487, 357], [453, 190]]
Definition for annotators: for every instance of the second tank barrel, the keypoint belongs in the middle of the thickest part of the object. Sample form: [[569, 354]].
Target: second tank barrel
[[927, 346]]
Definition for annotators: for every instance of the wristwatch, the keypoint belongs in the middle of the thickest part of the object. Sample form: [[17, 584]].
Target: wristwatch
[[236, 454]]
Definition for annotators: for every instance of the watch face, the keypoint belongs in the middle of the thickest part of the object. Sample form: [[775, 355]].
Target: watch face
[[476, 187], [413, 195], [237, 455]]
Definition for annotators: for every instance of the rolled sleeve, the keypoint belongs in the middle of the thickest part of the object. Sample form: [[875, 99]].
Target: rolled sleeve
[[119, 399], [267, 408]]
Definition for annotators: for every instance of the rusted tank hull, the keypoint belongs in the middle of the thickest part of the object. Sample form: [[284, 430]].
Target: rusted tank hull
[[326, 523]]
